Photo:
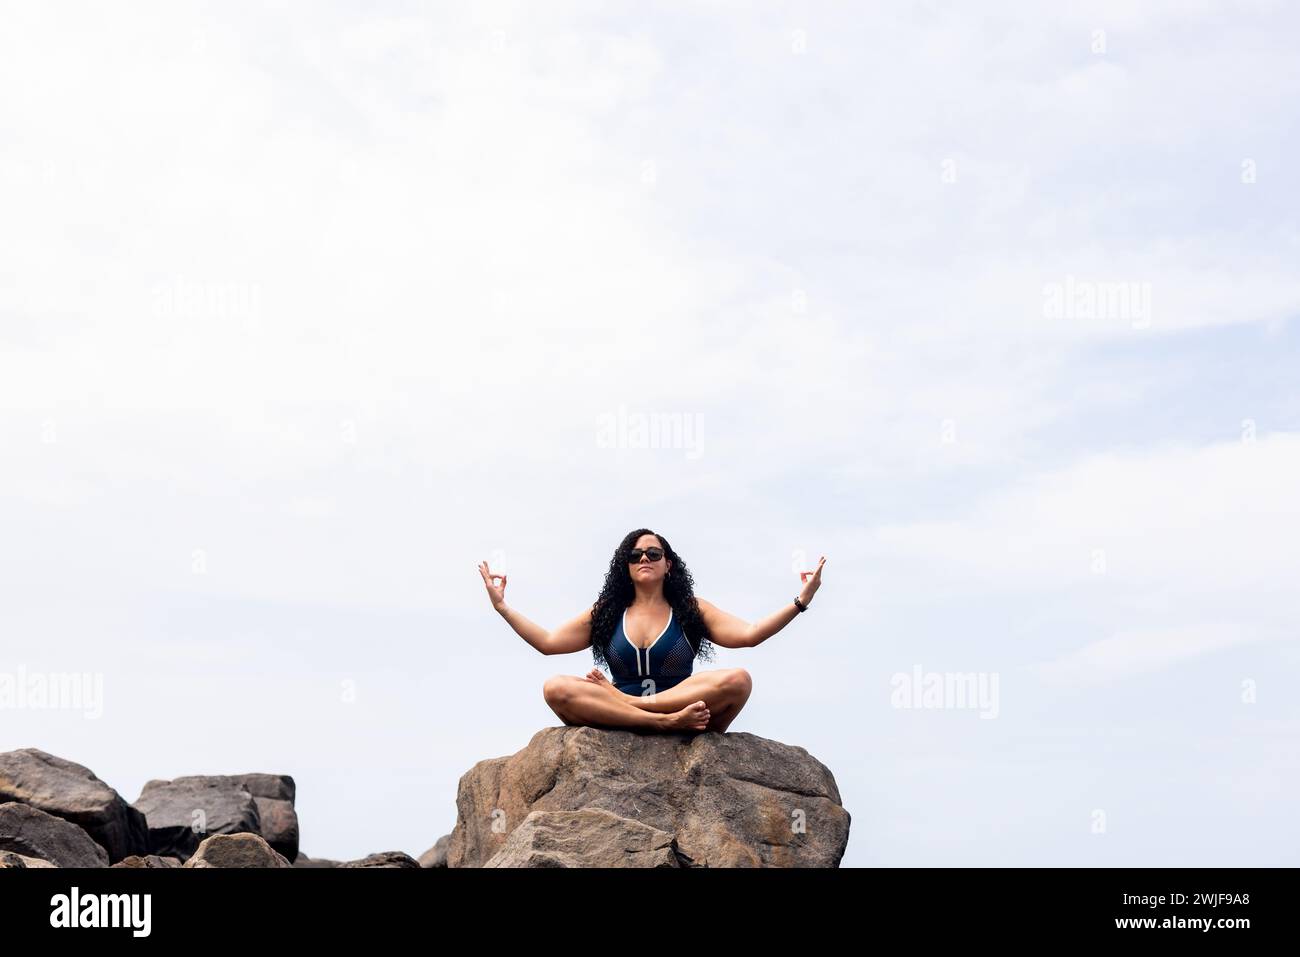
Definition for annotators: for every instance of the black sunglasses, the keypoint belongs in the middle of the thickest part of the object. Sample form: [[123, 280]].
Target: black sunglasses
[[652, 553]]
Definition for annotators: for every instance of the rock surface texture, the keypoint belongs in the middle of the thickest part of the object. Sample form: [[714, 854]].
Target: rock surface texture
[[594, 797]]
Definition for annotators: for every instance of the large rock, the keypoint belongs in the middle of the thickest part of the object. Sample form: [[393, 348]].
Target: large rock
[[728, 799], [587, 838], [31, 832], [70, 791], [436, 856], [181, 813], [232, 804], [236, 850]]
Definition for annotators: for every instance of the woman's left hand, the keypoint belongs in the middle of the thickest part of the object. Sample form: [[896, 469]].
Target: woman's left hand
[[811, 582]]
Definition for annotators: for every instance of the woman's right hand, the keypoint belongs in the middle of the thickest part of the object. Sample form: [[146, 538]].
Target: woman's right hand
[[495, 584]]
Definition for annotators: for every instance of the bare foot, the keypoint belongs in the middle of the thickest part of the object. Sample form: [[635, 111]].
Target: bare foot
[[597, 677], [694, 717]]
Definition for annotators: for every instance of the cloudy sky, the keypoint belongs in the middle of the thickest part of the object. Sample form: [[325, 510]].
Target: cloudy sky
[[305, 309]]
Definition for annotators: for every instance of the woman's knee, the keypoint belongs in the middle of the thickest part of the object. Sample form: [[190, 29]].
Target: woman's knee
[[737, 681], [557, 689]]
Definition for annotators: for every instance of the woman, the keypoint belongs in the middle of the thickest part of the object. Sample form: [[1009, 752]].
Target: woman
[[648, 627]]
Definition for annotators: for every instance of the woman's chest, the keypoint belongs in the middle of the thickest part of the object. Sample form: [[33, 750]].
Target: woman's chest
[[642, 632]]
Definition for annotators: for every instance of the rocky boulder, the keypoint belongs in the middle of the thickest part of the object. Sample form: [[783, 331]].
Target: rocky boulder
[[236, 850], [72, 792], [725, 800], [181, 813], [31, 832]]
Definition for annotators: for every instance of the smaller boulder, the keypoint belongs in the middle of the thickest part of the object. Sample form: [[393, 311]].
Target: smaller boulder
[[236, 850], [181, 813]]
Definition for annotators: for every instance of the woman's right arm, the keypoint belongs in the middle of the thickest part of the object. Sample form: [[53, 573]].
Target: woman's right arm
[[571, 636]]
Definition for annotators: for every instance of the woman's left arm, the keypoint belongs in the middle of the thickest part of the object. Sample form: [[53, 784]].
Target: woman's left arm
[[732, 632]]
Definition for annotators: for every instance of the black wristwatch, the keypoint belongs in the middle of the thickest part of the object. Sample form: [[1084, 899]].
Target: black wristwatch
[[800, 605]]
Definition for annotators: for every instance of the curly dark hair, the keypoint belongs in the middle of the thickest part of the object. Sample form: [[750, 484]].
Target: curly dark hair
[[618, 592]]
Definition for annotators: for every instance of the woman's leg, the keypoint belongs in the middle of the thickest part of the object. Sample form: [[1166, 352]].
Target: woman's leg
[[738, 685], [725, 691], [577, 701]]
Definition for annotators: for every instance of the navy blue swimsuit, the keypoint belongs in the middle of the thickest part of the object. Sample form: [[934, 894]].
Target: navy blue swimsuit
[[665, 662]]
